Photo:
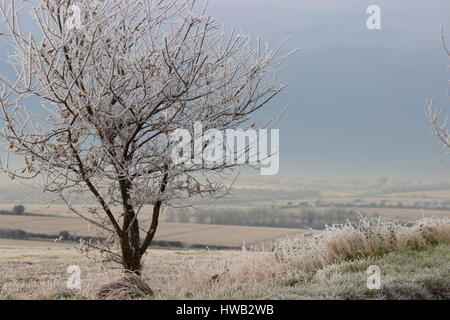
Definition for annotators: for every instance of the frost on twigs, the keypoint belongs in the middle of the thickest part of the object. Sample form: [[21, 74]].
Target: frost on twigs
[[91, 108], [439, 127]]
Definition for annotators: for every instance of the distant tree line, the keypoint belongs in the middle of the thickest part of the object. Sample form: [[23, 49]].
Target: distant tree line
[[19, 234], [65, 236], [264, 217], [358, 203], [16, 211], [19, 210]]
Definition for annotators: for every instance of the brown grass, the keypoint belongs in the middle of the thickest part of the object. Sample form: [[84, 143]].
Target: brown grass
[[191, 274], [129, 286], [368, 238]]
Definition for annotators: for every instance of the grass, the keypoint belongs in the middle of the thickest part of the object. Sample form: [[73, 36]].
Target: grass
[[410, 274], [414, 261], [366, 239]]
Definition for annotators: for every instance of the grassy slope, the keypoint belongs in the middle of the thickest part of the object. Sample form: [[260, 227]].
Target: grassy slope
[[405, 275], [414, 261], [408, 274]]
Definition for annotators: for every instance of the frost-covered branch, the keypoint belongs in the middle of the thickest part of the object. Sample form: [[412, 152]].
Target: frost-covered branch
[[91, 108]]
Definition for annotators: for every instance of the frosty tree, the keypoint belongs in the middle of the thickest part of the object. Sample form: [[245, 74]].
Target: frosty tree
[[440, 128], [99, 88]]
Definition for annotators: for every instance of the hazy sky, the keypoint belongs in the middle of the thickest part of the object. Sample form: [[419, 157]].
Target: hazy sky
[[356, 95]]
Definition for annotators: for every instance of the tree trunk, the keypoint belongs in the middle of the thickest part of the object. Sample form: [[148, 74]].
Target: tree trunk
[[131, 262], [130, 237], [130, 242], [131, 257]]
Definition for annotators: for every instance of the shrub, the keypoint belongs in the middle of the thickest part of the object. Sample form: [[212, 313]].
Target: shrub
[[18, 210], [65, 235], [13, 234]]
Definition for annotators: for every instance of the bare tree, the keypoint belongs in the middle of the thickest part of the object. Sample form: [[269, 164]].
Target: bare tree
[[440, 128], [91, 107]]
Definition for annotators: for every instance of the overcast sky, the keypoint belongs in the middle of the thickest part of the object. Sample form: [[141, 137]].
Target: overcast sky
[[356, 95]]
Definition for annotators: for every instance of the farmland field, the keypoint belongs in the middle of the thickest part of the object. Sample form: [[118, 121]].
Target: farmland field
[[57, 218], [189, 234]]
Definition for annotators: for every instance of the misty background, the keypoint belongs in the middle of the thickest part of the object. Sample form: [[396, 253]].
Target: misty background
[[356, 118], [356, 95]]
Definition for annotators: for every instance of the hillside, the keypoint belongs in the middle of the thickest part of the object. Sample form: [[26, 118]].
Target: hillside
[[414, 263], [411, 274]]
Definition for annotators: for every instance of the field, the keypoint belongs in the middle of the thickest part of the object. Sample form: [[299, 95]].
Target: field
[[420, 200], [416, 266], [415, 261], [57, 218], [60, 219]]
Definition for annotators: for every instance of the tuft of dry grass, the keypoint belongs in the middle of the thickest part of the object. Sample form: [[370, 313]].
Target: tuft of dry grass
[[368, 238], [129, 286]]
